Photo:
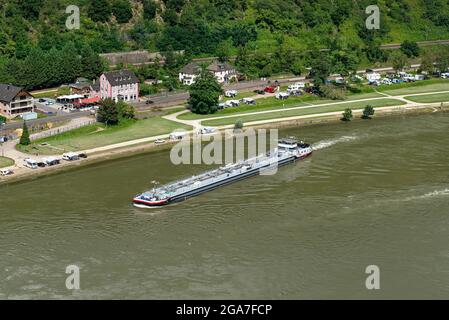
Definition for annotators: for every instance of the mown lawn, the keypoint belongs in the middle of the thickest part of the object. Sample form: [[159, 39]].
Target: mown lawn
[[303, 111], [271, 103], [6, 162], [429, 98], [433, 85], [98, 135]]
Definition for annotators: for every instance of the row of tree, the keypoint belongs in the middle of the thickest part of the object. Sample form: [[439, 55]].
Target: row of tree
[[44, 69]]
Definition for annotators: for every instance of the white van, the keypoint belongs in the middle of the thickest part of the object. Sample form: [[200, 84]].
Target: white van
[[177, 135], [231, 93], [71, 156], [6, 172], [282, 95], [30, 163]]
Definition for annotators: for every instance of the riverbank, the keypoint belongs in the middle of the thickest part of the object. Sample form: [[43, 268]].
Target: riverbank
[[22, 174]]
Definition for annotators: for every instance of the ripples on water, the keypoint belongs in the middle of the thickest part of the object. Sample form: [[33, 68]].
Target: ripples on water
[[374, 192]]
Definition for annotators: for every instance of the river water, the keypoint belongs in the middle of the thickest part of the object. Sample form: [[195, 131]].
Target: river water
[[374, 193]]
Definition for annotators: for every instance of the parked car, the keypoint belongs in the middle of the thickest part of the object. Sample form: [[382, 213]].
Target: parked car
[[259, 91], [232, 103], [30, 163], [82, 155], [50, 161], [221, 106], [159, 141], [282, 95], [149, 102], [231, 93], [270, 89], [71, 156], [250, 101], [6, 172]]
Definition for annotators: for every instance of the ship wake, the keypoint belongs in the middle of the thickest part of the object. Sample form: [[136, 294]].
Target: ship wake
[[331, 142]]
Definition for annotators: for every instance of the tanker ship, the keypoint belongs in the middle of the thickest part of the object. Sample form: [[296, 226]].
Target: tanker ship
[[288, 150]]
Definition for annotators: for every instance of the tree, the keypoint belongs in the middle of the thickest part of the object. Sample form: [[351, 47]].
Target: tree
[[427, 62], [99, 10], [25, 137], [442, 59], [398, 60], [410, 48], [224, 50], [238, 125], [108, 113], [347, 115], [368, 111], [149, 9], [204, 94], [122, 11], [2, 119], [320, 68], [125, 111], [92, 64]]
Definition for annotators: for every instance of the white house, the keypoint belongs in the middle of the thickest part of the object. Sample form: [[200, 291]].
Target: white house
[[119, 85], [223, 71], [15, 101], [188, 74]]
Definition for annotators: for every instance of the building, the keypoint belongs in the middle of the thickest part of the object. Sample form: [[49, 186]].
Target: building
[[15, 101], [119, 85], [223, 71], [188, 74]]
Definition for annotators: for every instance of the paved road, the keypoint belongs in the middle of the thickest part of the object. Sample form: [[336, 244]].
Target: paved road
[[65, 117], [171, 99]]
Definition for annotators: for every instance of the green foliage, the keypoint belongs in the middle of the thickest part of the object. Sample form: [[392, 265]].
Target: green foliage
[[2, 119], [150, 8], [108, 113], [122, 10], [204, 94], [99, 10], [347, 115], [333, 92], [398, 60], [368, 112], [410, 48], [238, 125], [25, 138]]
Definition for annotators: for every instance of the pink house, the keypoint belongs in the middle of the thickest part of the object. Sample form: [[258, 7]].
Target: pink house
[[119, 85]]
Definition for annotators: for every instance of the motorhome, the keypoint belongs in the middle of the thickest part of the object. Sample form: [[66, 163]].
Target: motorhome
[[51, 161], [178, 135], [248, 101], [30, 163], [231, 93], [71, 156]]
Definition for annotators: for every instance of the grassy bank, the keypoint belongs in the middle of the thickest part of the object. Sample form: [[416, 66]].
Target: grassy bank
[[98, 135], [430, 98], [303, 111], [6, 162]]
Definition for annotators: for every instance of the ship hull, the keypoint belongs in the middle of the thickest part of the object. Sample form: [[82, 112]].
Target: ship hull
[[192, 193]]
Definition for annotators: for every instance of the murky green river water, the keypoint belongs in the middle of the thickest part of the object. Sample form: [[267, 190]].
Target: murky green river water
[[374, 193]]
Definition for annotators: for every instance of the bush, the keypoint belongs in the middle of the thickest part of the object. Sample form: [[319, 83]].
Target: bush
[[333, 93], [368, 112], [238, 125], [347, 115]]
